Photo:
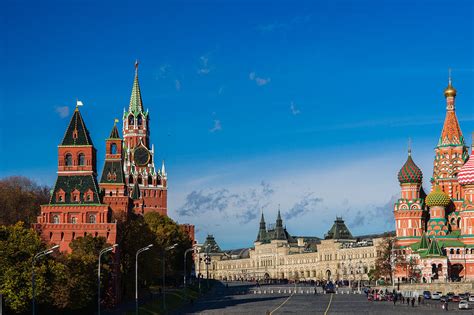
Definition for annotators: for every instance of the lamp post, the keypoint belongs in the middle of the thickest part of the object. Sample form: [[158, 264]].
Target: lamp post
[[103, 251], [185, 253], [141, 250], [207, 260], [163, 266], [33, 283]]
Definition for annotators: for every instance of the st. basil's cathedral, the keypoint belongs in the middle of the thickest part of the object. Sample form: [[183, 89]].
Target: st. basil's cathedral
[[435, 232], [131, 181]]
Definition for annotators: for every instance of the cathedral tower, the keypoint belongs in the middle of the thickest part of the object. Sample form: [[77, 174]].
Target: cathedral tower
[[450, 153], [409, 209], [150, 193], [466, 180]]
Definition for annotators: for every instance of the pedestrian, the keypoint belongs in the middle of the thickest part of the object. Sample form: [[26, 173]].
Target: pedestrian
[[394, 300], [419, 299], [412, 302]]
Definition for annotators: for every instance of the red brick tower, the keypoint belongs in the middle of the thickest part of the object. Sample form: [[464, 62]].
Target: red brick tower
[[466, 179], [146, 184], [451, 154], [409, 210], [112, 181], [75, 208]]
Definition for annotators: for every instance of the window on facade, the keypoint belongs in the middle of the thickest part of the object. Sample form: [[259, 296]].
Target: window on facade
[[139, 120], [130, 120], [55, 219], [68, 159], [140, 180], [130, 179], [113, 148], [73, 220], [150, 180], [81, 159], [92, 218]]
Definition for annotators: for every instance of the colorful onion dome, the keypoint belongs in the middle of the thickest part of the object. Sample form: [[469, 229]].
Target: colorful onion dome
[[466, 174], [410, 172], [437, 198]]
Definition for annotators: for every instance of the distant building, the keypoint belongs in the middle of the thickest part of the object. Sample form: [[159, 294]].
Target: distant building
[[435, 232], [277, 254]]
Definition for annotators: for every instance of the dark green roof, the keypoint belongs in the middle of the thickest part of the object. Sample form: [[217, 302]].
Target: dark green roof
[[280, 233], [210, 245], [338, 231], [434, 249], [424, 243], [114, 134], [136, 105], [70, 183], [262, 231], [112, 173], [76, 132]]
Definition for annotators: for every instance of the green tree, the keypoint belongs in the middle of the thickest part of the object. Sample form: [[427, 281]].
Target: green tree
[[18, 245], [385, 260], [75, 287], [20, 200]]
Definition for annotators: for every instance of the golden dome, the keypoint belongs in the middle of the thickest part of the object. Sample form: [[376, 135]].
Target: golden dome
[[450, 91]]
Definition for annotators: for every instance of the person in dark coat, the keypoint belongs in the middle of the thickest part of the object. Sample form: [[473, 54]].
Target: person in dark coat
[[412, 302]]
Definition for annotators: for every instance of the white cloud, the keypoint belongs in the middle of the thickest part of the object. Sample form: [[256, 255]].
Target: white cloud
[[258, 80], [164, 70], [177, 85], [217, 126], [295, 111], [62, 111]]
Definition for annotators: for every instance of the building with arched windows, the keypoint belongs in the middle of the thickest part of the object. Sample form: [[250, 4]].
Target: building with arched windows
[[278, 255], [435, 232]]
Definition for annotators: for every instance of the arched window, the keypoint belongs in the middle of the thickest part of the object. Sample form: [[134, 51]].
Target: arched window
[[113, 148], [150, 180], [139, 180], [56, 219], [139, 120], [73, 220], [82, 159], [130, 179], [451, 251], [458, 251], [68, 159], [131, 120], [92, 218]]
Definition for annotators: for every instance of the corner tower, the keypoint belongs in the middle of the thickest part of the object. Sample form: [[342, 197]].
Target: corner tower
[[451, 152], [139, 163]]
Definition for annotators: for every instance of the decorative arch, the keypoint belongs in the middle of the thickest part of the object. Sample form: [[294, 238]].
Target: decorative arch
[[81, 159], [131, 120], [68, 159]]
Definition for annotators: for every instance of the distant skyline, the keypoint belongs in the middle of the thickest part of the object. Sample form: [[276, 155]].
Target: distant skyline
[[253, 104]]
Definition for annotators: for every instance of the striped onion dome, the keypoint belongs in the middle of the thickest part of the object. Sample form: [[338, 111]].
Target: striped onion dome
[[466, 174], [437, 198], [410, 172]]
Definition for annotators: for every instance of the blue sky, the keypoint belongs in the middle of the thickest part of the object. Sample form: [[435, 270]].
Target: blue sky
[[253, 103]]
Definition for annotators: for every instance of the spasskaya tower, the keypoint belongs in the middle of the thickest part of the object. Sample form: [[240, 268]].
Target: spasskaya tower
[[146, 183]]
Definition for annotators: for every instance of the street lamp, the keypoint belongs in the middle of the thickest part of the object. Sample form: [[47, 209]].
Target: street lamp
[[37, 256], [163, 266], [141, 250], [103, 251], [185, 253], [207, 261]]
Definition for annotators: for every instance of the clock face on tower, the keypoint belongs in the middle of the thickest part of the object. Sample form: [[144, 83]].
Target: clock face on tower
[[141, 156]]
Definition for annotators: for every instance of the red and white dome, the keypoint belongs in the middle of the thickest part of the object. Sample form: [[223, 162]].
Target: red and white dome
[[466, 174]]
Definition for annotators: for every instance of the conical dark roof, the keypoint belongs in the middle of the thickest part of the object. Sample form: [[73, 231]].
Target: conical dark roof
[[114, 134], [279, 230], [262, 231], [76, 132], [339, 231], [424, 242], [210, 245]]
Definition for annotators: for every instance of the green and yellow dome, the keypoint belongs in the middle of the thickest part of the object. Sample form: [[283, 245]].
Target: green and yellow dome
[[437, 198]]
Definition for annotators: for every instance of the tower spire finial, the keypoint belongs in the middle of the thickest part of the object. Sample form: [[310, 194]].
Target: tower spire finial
[[409, 146], [136, 64]]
